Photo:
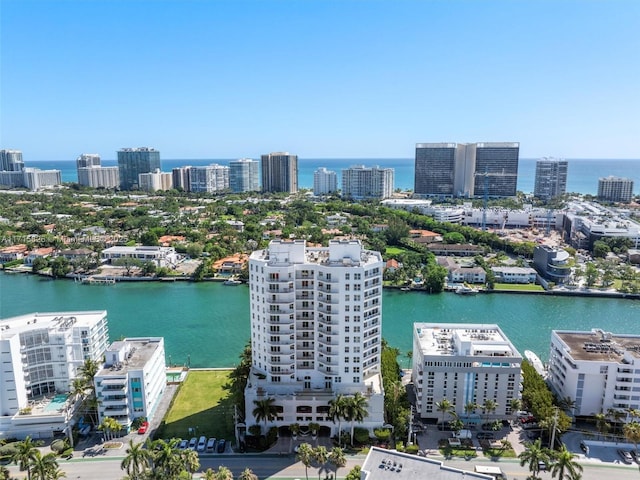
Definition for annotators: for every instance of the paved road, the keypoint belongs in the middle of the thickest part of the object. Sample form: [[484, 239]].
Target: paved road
[[285, 467]]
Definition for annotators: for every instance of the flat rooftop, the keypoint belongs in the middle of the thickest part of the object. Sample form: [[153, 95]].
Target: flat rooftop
[[138, 352], [51, 320], [382, 464], [463, 339], [598, 345]]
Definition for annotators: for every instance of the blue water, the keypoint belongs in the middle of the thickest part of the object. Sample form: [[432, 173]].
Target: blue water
[[582, 176], [207, 324]]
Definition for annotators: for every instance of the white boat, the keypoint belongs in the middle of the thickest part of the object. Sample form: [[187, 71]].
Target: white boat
[[232, 282], [535, 361], [466, 290]]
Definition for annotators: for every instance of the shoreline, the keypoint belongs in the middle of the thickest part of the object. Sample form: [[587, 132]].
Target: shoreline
[[112, 280]]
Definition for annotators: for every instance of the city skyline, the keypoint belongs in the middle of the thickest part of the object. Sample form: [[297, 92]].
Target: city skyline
[[323, 79]]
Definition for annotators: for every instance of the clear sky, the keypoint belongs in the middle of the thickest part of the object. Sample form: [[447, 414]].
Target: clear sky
[[343, 79]]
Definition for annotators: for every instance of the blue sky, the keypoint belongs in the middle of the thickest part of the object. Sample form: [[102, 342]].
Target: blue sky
[[340, 79]]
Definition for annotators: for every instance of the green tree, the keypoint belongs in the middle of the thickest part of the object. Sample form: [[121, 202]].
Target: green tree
[[223, 473], [137, 461], [453, 237], [591, 274], [321, 456], [354, 473], [45, 467], [533, 455], [247, 474], [338, 459], [39, 263], [265, 411], [356, 410], [564, 465], [631, 432], [488, 407], [305, 455], [338, 412], [25, 454], [149, 238], [60, 267], [601, 423], [444, 406], [600, 249]]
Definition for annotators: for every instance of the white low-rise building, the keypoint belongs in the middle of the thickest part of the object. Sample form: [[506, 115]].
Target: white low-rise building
[[515, 274], [466, 364], [41, 354], [598, 370], [161, 256], [132, 381]]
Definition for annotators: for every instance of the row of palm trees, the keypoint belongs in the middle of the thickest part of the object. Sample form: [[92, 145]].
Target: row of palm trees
[[350, 408], [31, 460], [321, 457], [489, 406], [163, 460], [561, 463]]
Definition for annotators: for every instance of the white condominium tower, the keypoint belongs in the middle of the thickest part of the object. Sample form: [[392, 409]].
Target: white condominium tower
[[466, 364], [316, 329], [92, 174], [279, 172], [11, 161], [615, 189], [551, 178], [212, 178], [244, 175], [324, 181], [360, 182]]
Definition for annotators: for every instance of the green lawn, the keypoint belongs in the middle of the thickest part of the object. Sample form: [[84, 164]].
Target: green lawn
[[201, 402], [528, 287], [395, 251]]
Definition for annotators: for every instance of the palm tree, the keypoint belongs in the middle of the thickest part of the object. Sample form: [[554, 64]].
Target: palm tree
[[337, 458], [223, 473], [601, 423], [25, 453], [356, 410], [564, 465], [88, 371], [533, 455], [190, 461], [167, 462], [469, 408], [265, 410], [305, 455], [488, 407], [321, 456], [44, 467], [515, 404], [444, 406], [632, 433], [209, 474], [137, 460], [247, 474], [337, 411]]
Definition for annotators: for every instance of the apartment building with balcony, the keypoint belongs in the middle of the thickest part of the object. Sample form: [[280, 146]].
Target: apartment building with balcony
[[131, 383], [316, 330], [464, 363], [41, 354], [597, 369]]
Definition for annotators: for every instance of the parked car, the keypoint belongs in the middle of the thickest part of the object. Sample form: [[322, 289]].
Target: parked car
[[485, 436], [222, 445], [626, 456], [542, 466], [143, 428], [202, 443], [183, 445], [211, 445], [584, 447], [192, 443]]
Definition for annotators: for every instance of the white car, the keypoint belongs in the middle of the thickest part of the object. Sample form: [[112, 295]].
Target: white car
[[192, 443], [202, 443]]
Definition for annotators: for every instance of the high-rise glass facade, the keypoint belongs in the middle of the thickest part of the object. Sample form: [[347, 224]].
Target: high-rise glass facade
[[280, 172], [244, 175], [551, 178], [134, 161]]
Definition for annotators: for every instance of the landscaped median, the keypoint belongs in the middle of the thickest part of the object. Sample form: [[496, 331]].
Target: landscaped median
[[201, 407]]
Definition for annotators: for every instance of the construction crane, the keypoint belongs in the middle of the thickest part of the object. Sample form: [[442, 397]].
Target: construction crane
[[486, 176]]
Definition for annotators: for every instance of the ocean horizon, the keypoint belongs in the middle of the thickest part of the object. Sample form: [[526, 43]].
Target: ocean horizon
[[582, 176]]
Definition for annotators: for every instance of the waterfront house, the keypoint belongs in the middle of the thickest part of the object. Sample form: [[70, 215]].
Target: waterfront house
[[44, 252], [161, 256], [515, 274], [552, 263], [13, 252], [230, 265], [461, 250]]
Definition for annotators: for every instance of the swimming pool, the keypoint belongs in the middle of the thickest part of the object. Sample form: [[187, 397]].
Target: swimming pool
[[56, 403]]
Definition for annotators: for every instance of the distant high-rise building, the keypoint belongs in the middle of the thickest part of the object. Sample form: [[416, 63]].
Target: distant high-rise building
[[324, 181], [280, 172], [209, 179], [91, 174], [35, 179], [99, 177], [154, 181], [360, 182], [615, 189], [11, 161], [466, 169], [316, 324], [134, 161], [88, 160], [551, 178], [181, 178], [244, 175]]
